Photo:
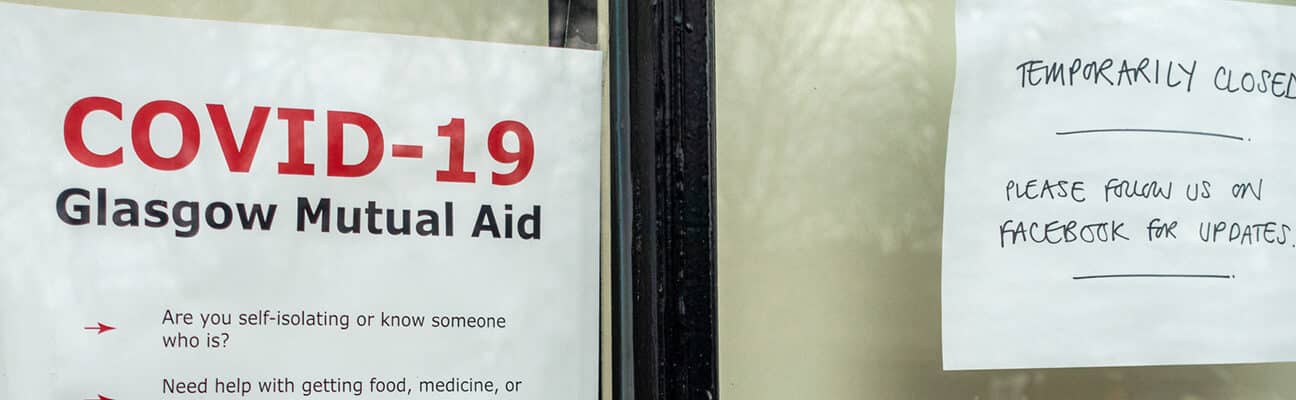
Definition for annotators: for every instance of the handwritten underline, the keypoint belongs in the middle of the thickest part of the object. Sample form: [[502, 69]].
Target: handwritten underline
[[1112, 276], [1138, 130]]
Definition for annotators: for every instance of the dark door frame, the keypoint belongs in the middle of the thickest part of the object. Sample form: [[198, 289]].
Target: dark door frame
[[661, 84], [663, 196]]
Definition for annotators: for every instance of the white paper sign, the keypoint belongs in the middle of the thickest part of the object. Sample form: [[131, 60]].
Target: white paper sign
[[206, 210], [1119, 188]]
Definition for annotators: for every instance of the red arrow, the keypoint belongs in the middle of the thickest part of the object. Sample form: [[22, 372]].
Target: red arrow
[[102, 397], [101, 328]]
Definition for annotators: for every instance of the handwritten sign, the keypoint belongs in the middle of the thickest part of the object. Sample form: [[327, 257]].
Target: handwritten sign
[[1118, 185]]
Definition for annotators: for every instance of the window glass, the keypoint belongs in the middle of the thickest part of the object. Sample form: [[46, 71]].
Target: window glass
[[832, 119]]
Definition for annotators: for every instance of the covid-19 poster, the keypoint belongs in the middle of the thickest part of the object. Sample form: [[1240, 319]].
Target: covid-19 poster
[[206, 210]]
